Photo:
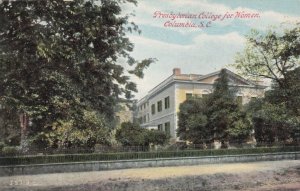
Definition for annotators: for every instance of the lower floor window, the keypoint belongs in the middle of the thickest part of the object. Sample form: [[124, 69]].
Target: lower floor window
[[168, 128], [160, 127]]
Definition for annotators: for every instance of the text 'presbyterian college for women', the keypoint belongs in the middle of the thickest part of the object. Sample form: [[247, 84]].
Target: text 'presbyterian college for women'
[[200, 20]]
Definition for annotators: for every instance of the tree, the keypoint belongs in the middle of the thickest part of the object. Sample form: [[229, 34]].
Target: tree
[[242, 127], [217, 117], [292, 88], [275, 118], [272, 123], [60, 59], [131, 134], [156, 137], [221, 107], [192, 122], [270, 55], [274, 55]]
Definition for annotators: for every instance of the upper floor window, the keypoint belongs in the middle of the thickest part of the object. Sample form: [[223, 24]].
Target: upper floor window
[[153, 109], [167, 102], [253, 98], [159, 106], [189, 95], [239, 100], [204, 95]]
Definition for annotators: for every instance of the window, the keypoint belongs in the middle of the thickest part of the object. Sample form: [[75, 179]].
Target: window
[[205, 95], [140, 120], [167, 102], [239, 100], [198, 96], [159, 106], [153, 109], [144, 105], [148, 118], [253, 98], [167, 128], [189, 95], [160, 127], [144, 119]]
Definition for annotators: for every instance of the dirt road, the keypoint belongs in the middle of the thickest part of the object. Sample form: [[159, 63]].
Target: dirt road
[[273, 175]]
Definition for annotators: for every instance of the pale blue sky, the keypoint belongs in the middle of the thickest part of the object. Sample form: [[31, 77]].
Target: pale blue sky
[[196, 50]]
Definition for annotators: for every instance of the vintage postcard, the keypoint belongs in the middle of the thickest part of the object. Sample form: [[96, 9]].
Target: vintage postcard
[[149, 95]]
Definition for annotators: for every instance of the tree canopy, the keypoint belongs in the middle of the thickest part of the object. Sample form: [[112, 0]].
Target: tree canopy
[[60, 60], [216, 117], [131, 134], [192, 122], [271, 54], [274, 55]]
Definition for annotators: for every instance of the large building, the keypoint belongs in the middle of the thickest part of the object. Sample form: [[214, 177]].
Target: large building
[[159, 108]]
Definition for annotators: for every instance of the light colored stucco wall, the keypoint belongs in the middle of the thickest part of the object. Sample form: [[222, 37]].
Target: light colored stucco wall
[[177, 90], [164, 116]]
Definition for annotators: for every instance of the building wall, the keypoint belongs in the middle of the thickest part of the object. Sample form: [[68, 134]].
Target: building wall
[[165, 115], [176, 87], [196, 89]]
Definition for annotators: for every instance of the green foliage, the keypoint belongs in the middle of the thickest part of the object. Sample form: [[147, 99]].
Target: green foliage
[[289, 94], [274, 55], [222, 110], [9, 150], [156, 137], [273, 123], [131, 134], [276, 117], [270, 55], [192, 122], [242, 127], [91, 130], [60, 59], [9, 126], [2, 144], [25, 160], [217, 117]]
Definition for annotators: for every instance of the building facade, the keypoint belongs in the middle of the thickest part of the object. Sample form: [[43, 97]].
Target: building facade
[[159, 108]]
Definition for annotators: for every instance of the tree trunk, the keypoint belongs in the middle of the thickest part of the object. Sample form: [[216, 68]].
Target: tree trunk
[[24, 121]]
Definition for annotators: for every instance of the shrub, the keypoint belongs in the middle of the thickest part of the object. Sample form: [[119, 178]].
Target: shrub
[[2, 144], [9, 150], [137, 155]]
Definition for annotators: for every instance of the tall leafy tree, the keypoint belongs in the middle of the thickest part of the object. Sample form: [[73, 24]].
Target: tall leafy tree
[[222, 109], [291, 91], [192, 122], [61, 59], [216, 117], [274, 55], [275, 118], [270, 55]]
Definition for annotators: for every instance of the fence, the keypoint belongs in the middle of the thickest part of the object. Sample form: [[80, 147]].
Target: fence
[[63, 158], [13, 151]]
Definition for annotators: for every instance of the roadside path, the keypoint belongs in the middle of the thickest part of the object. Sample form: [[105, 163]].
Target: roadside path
[[262, 174]]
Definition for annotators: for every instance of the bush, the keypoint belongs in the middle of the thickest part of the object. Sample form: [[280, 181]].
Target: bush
[[9, 150], [24, 160], [2, 144]]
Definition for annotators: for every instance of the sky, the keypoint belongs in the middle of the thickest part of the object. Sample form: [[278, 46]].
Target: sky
[[210, 34]]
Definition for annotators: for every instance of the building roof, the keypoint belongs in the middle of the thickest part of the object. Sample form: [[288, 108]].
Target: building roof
[[200, 79]]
